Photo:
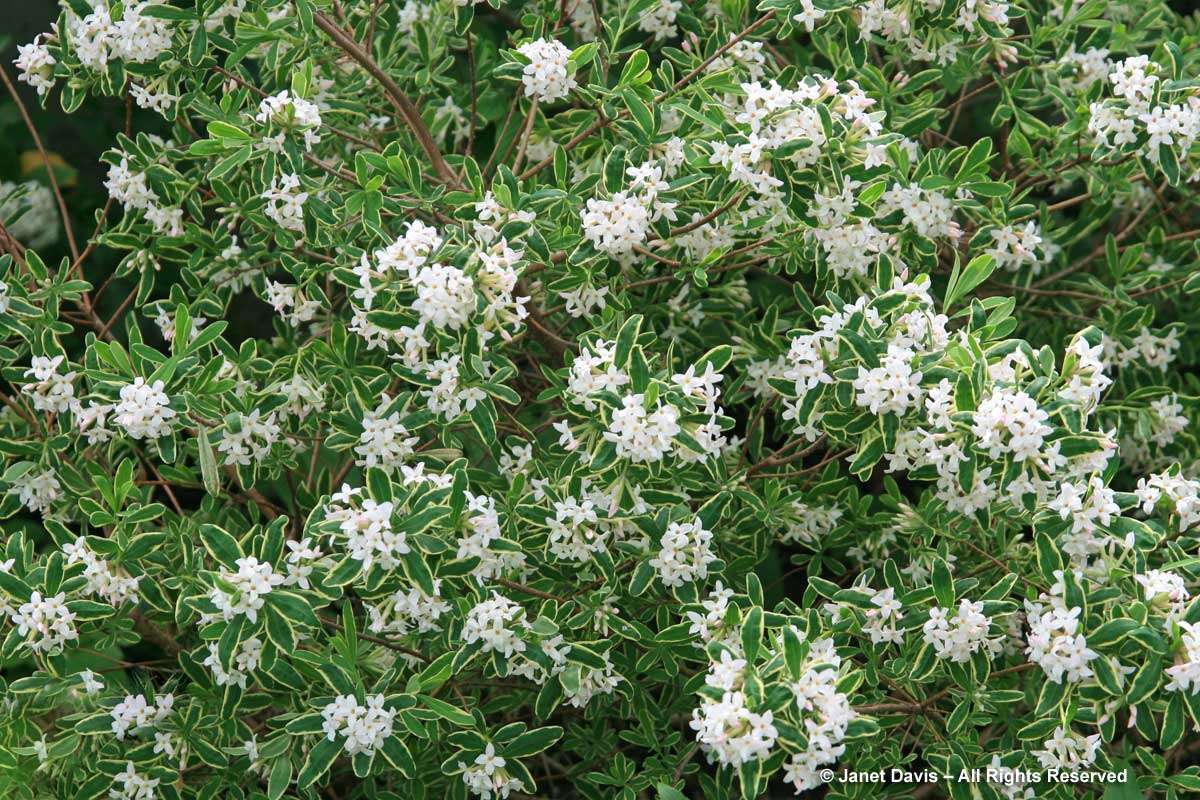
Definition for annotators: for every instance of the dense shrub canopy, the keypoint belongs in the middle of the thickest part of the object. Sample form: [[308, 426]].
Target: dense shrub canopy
[[605, 398]]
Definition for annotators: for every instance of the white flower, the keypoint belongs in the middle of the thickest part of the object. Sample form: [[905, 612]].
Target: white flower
[[641, 436], [129, 187], [483, 524], [252, 582], [1067, 751], [445, 296], [826, 714], [50, 391], [1010, 422], [285, 202], [365, 728], [384, 441], [37, 490], [292, 113], [136, 37], [487, 776], [91, 684], [405, 608], [1185, 672], [684, 553], [290, 303], [135, 713], [411, 251], [617, 225], [102, 579], [960, 636], [809, 15], [593, 371], [144, 410], [1167, 419], [546, 76], [498, 624], [251, 440], [659, 19], [303, 398], [1056, 643], [245, 660], [811, 523], [881, 620], [370, 537], [584, 300], [129, 785], [1014, 247], [732, 733], [1182, 496], [892, 387], [36, 65], [48, 620]]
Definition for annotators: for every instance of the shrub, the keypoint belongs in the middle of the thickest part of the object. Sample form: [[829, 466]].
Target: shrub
[[656, 400]]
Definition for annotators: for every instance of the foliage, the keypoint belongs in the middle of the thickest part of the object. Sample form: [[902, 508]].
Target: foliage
[[623, 398]]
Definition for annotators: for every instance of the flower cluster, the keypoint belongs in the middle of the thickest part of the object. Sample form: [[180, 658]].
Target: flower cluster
[[103, 580], [547, 76], [1056, 643], [49, 621], [244, 591], [826, 713], [135, 713], [144, 410], [368, 528], [364, 727], [1139, 116], [684, 554], [487, 776], [960, 636], [731, 733], [497, 624], [290, 113]]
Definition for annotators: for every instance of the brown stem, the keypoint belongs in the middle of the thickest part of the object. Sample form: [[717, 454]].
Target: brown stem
[[154, 634], [37, 141], [525, 134], [405, 107]]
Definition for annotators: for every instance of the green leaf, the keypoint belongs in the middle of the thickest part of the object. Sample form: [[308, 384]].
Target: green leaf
[[1049, 559], [437, 672], [752, 633], [626, 338], [320, 758], [221, 545], [943, 584], [636, 69], [306, 724], [294, 607], [396, 753], [1112, 631], [1172, 724], [533, 742], [280, 778], [208, 463], [978, 270], [448, 712]]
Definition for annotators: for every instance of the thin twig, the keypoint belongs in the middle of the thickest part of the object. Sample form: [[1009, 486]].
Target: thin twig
[[37, 141], [407, 110]]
